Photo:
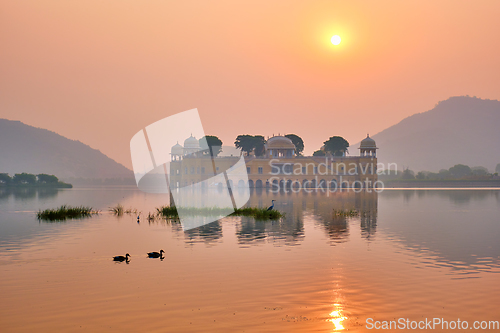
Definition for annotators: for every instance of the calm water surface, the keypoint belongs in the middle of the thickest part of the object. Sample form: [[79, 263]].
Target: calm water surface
[[411, 254]]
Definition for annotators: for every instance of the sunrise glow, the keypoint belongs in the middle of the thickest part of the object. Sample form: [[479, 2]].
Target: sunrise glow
[[208, 166]]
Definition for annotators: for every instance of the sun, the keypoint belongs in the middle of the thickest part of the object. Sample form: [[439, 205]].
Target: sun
[[336, 40]]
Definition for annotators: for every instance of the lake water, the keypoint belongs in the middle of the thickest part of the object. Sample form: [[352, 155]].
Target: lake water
[[410, 254]]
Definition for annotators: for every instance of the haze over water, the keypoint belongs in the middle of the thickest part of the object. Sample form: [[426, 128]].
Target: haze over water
[[410, 254]]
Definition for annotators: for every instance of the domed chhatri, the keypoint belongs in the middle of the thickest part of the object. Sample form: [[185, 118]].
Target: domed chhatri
[[368, 142], [177, 149], [176, 152], [191, 142], [368, 147], [279, 142], [279, 146], [191, 147]]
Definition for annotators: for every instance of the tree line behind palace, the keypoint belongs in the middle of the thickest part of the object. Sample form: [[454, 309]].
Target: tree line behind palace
[[254, 144]]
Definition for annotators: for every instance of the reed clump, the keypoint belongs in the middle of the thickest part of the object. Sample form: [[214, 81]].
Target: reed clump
[[257, 213], [66, 212], [119, 210], [168, 212]]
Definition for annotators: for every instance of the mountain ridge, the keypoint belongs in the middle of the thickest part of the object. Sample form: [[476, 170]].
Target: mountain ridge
[[25, 148], [459, 130]]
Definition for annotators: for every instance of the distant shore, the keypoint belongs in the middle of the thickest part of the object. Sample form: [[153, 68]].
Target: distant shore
[[35, 186], [29, 180], [440, 183]]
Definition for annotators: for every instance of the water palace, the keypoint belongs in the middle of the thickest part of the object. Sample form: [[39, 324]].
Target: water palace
[[279, 166]]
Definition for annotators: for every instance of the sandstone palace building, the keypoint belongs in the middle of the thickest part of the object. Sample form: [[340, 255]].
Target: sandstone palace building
[[280, 167]]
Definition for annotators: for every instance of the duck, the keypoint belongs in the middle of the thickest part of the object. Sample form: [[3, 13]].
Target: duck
[[156, 254], [121, 258]]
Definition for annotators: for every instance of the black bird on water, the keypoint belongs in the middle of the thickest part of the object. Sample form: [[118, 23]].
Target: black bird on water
[[272, 206], [122, 258], [156, 254]]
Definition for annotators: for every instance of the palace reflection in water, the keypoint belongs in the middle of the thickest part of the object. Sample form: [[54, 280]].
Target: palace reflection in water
[[290, 230], [427, 232]]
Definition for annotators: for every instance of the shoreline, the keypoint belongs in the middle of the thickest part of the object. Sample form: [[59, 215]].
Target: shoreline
[[442, 184], [37, 186]]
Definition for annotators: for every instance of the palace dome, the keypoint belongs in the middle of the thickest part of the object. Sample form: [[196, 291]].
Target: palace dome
[[367, 143], [177, 149], [279, 142], [191, 142]]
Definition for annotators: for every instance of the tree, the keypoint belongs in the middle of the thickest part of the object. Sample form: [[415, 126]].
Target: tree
[[47, 179], [245, 142], [479, 171], [250, 143], [319, 153], [420, 175], [24, 178], [408, 174], [5, 178], [444, 174], [497, 168], [336, 145], [259, 143], [432, 176], [298, 142], [214, 144], [460, 170]]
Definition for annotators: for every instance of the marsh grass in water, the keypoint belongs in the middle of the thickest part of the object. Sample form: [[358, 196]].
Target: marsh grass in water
[[257, 213], [168, 212], [66, 212], [119, 210]]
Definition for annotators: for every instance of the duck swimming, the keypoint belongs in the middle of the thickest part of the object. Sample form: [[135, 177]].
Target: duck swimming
[[121, 258], [156, 254]]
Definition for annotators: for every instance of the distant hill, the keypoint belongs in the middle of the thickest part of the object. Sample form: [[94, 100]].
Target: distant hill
[[24, 148], [461, 129]]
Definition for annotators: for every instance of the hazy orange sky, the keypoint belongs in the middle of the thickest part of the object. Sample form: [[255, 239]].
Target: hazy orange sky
[[99, 71]]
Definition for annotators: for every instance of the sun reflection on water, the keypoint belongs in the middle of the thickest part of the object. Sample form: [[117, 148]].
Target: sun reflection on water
[[337, 318]]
